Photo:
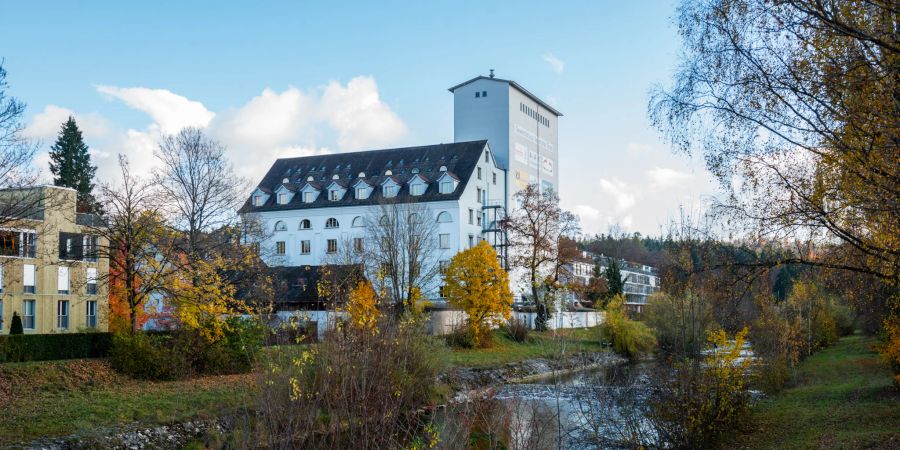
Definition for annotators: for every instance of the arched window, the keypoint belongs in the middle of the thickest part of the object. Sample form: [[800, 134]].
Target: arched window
[[280, 226], [331, 223], [444, 217], [383, 221], [358, 222], [305, 224]]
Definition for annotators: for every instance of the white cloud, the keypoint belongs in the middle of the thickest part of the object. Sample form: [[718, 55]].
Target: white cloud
[[663, 177], [46, 124], [637, 147], [170, 111], [555, 63], [359, 116], [621, 194], [586, 212]]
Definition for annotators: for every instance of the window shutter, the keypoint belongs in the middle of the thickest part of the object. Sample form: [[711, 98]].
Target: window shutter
[[62, 280], [28, 275]]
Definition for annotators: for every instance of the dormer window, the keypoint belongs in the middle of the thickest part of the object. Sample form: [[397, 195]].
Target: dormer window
[[309, 197], [417, 189], [446, 187], [334, 195], [283, 198], [390, 190], [257, 200], [362, 193]]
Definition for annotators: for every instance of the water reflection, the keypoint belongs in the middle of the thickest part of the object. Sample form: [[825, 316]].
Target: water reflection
[[597, 408]]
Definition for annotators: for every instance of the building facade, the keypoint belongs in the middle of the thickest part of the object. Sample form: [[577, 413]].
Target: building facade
[[51, 272], [522, 129], [639, 281], [310, 207]]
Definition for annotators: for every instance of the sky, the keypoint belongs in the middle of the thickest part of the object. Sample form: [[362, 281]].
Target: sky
[[281, 79]]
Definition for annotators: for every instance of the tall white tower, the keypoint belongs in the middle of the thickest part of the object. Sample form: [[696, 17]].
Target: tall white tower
[[521, 129]]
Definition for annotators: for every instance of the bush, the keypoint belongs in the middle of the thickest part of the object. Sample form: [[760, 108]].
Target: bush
[[628, 337], [355, 389], [184, 353], [517, 330], [45, 347], [16, 326], [680, 323], [460, 337]]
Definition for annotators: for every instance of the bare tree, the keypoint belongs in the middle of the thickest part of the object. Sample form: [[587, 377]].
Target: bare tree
[[132, 233], [199, 186], [399, 253], [535, 229]]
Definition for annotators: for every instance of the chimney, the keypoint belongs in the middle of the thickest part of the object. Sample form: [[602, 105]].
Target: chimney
[[492, 73]]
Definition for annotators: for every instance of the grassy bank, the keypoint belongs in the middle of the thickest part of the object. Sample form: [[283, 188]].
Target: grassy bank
[[46, 399], [545, 344], [843, 399]]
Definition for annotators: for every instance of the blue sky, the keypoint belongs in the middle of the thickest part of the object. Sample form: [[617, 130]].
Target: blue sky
[[274, 79]]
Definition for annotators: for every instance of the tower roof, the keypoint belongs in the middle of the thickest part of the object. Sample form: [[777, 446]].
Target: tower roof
[[513, 84]]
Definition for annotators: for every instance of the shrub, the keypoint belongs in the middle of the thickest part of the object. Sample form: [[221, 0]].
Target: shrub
[[45, 347], [16, 326], [148, 356], [680, 323], [628, 337], [517, 330], [354, 389], [460, 337]]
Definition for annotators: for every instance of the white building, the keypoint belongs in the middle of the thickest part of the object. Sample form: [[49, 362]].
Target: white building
[[523, 130], [311, 204]]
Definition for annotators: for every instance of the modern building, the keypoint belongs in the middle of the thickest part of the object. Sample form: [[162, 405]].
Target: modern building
[[51, 272], [310, 206], [639, 280], [522, 129]]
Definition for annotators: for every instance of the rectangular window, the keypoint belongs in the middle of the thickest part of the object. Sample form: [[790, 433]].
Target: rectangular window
[[390, 191], [308, 197], [478, 191], [282, 198], [479, 173], [334, 195], [479, 220], [332, 246], [305, 247], [471, 216], [362, 193], [90, 315], [91, 279], [484, 93], [90, 248], [446, 187], [358, 245], [442, 266], [417, 189], [279, 248], [62, 314], [444, 240], [486, 156], [28, 278], [62, 280], [442, 292], [477, 94], [17, 243], [495, 177], [28, 314], [471, 241], [257, 200]]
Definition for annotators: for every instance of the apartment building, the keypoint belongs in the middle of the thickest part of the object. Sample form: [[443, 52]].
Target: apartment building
[[51, 272]]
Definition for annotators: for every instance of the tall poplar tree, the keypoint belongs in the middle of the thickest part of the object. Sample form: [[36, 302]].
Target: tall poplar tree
[[71, 166]]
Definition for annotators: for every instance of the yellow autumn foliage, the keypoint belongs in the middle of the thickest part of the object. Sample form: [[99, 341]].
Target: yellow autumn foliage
[[362, 307], [476, 283]]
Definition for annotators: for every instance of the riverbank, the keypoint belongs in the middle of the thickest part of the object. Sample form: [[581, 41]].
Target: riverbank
[[54, 402], [843, 398]]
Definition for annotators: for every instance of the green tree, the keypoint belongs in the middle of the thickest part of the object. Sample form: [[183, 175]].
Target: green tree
[[16, 326], [614, 283], [71, 166]]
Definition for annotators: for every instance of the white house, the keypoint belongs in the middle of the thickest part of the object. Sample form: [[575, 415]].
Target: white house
[[309, 205]]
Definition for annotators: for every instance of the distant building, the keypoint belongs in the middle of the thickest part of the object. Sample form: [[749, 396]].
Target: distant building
[[639, 280], [51, 271]]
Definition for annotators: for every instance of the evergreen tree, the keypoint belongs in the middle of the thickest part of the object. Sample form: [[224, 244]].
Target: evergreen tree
[[71, 165], [16, 326], [614, 283]]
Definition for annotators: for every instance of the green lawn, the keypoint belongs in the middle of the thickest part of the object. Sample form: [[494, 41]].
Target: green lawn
[[843, 399], [545, 344], [62, 397]]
